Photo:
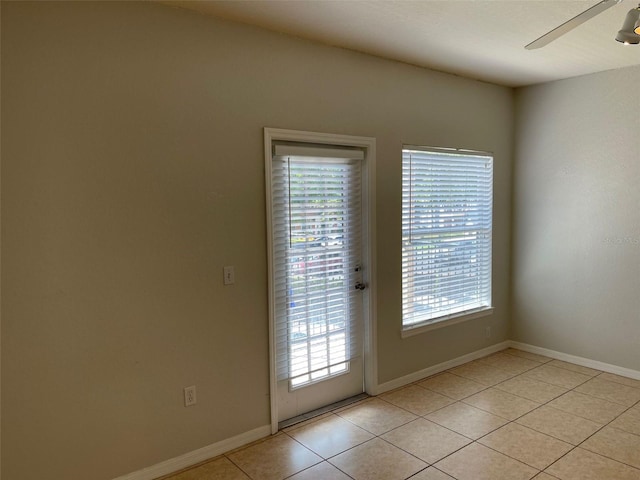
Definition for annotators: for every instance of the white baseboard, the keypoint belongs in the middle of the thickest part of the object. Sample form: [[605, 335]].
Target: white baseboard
[[197, 456], [441, 367], [585, 362], [205, 453]]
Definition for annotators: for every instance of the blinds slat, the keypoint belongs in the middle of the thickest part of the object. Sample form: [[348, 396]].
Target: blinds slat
[[316, 241]]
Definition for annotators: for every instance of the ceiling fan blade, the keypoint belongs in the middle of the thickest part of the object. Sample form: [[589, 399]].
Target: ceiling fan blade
[[571, 24]]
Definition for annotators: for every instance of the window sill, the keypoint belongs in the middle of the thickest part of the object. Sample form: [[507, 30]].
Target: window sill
[[412, 330]]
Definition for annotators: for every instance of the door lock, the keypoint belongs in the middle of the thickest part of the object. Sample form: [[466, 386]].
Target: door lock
[[360, 286]]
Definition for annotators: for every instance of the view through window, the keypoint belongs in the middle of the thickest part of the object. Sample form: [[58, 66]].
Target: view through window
[[447, 199]]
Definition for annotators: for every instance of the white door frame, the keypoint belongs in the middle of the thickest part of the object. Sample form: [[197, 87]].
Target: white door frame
[[368, 144]]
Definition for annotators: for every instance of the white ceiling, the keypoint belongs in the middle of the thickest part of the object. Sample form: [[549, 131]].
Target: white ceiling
[[481, 39]]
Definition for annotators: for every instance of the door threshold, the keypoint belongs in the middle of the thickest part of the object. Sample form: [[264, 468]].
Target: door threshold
[[322, 410]]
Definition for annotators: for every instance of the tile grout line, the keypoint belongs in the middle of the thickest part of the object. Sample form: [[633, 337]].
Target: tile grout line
[[461, 400], [336, 412], [573, 447], [379, 436], [238, 467], [324, 459], [509, 421], [594, 433], [608, 425]]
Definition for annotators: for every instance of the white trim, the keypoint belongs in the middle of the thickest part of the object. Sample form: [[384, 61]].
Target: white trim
[[211, 451], [423, 148], [273, 382], [584, 362], [411, 330], [316, 137], [197, 456], [441, 367], [304, 151], [369, 275], [369, 225]]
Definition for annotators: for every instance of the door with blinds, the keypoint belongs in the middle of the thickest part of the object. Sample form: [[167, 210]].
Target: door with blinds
[[317, 275]]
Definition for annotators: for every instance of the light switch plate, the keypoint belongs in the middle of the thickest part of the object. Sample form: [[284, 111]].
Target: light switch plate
[[229, 275]]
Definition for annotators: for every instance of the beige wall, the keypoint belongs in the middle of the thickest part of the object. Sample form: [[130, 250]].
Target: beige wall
[[133, 171], [577, 217]]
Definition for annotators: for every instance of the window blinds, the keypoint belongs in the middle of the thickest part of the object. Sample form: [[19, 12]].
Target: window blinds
[[447, 199], [316, 202]]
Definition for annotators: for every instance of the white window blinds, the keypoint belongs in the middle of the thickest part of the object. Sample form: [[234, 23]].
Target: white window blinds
[[316, 238], [447, 199]]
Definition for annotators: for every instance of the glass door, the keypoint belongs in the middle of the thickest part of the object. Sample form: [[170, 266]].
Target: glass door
[[318, 277]]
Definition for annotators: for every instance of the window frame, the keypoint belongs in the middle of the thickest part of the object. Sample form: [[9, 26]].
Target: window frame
[[410, 329]]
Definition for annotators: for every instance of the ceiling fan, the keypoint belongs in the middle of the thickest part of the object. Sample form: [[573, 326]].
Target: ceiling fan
[[629, 35]]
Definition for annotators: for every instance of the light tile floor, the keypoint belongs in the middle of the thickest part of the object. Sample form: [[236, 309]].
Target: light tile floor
[[509, 416]]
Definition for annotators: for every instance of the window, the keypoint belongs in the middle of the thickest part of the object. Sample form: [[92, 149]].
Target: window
[[447, 199]]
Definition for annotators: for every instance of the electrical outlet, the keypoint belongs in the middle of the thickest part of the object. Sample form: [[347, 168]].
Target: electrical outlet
[[190, 396], [487, 332]]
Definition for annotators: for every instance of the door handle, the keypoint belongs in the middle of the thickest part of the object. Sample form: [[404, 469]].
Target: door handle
[[360, 286]]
